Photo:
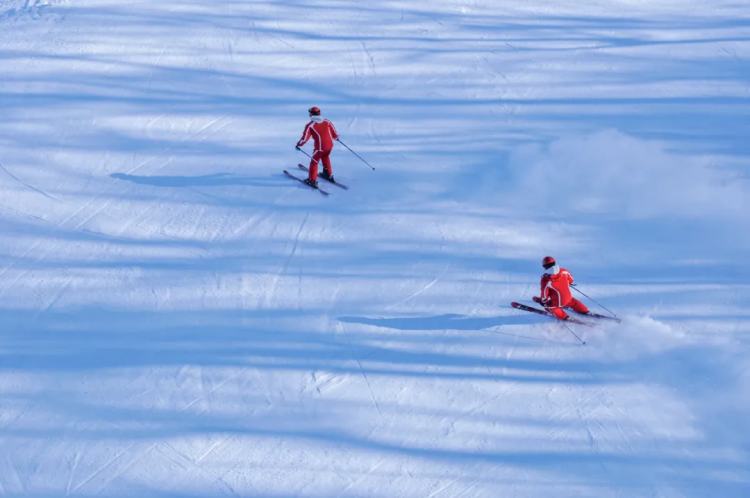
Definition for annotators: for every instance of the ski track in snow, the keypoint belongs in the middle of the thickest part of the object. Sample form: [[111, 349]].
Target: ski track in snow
[[178, 320], [28, 186]]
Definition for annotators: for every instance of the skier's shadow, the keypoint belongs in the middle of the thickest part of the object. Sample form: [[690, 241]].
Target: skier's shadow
[[215, 180], [442, 322]]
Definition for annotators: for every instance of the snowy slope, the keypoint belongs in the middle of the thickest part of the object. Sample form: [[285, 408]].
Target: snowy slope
[[179, 319]]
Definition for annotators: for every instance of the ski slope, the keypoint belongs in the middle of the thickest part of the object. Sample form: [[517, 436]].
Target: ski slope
[[178, 319]]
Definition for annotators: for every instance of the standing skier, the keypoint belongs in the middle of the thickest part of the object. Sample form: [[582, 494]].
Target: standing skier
[[323, 134], [556, 294]]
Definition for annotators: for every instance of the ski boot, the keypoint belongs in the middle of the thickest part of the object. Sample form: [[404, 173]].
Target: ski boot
[[312, 183], [328, 177]]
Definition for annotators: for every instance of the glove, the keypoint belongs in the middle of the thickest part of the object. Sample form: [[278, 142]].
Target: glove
[[297, 147], [541, 301]]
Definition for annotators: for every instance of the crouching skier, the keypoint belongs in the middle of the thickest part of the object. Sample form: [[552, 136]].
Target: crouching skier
[[556, 294]]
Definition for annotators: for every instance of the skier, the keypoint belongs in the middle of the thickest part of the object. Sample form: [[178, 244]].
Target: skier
[[323, 134], [556, 294]]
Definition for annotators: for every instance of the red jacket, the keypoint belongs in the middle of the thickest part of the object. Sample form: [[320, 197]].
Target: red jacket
[[322, 132], [556, 288]]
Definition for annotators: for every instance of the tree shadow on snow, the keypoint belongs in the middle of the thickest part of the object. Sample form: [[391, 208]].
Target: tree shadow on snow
[[448, 321], [214, 180]]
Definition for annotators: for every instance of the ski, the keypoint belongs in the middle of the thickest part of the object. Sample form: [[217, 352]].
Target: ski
[[540, 311], [305, 168], [524, 307], [305, 184]]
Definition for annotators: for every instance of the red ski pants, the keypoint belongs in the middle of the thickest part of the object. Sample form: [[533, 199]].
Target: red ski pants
[[317, 156], [574, 303]]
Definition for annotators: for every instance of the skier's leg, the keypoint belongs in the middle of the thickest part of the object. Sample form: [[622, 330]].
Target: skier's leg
[[558, 312], [555, 307], [578, 306], [326, 157], [314, 166]]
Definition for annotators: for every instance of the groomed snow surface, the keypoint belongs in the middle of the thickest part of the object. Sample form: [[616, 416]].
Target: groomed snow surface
[[178, 319]]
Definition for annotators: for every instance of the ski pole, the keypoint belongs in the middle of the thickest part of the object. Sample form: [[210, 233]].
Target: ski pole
[[358, 156], [583, 343], [303, 151], [595, 301]]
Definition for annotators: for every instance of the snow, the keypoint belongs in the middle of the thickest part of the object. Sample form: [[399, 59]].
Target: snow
[[178, 319]]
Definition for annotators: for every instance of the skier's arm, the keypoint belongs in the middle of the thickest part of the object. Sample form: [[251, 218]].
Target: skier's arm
[[334, 133], [543, 294], [305, 136]]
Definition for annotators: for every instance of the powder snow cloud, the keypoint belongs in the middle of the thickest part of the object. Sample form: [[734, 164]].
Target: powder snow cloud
[[611, 173]]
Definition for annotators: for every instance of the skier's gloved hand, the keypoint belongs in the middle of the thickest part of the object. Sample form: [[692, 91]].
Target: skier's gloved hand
[[543, 302], [297, 147]]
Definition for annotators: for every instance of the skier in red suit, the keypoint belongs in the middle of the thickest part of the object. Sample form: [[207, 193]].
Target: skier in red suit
[[323, 134], [556, 294]]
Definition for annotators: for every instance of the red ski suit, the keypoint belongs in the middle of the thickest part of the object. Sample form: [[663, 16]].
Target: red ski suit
[[323, 134], [556, 294]]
